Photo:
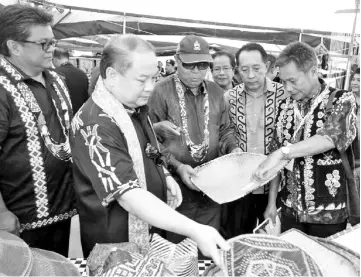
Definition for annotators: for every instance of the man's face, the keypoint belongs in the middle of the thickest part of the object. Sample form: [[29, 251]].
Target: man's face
[[135, 86], [296, 82], [222, 71], [33, 54], [191, 77], [169, 68], [252, 69], [355, 84]]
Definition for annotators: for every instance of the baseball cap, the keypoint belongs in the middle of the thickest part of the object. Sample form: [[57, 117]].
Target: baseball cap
[[192, 49], [170, 61]]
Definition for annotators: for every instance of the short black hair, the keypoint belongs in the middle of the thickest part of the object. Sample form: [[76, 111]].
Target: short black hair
[[252, 46], [272, 59], [16, 21], [357, 71], [60, 53], [170, 61], [224, 53]]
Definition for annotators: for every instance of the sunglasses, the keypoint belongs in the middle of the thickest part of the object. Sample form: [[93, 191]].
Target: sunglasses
[[44, 45], [191, 66]]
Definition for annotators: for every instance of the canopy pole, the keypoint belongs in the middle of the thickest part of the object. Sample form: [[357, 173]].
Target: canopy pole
[[300, 37], [124, 23], [350, 50]]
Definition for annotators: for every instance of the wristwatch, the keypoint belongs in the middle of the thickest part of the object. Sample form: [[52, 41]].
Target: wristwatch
[[285, 152]]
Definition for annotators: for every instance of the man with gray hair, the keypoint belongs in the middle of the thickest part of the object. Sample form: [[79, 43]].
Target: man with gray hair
[[314, 128], [121, 184]]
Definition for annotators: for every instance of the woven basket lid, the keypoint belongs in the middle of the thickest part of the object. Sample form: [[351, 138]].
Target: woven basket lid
[[229, 177], [15, 256], [264, 255], [332, 258]]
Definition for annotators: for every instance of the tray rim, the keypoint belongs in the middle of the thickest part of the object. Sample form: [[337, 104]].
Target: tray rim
[[230, 155]]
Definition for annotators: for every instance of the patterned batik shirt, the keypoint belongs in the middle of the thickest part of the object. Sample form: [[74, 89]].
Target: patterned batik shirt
[[35, 185], [254, 118], [104, 171], [315, 191]]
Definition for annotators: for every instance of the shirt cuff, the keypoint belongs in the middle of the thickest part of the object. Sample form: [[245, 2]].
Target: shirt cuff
[[121, 189]]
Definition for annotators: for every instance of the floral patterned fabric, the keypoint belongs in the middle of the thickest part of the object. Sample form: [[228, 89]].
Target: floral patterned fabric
[[315, 191]]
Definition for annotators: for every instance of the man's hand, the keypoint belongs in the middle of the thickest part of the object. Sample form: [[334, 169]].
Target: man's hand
[[271, 165], [207, 239], [9, 222], [174, 194], [271, 212], [186, 172], [166, 129], [237, 150]]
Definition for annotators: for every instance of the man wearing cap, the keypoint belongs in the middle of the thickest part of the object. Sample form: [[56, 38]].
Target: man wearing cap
[[190, 119], [170, 67]]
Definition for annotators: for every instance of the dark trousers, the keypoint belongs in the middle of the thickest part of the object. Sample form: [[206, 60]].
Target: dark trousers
[[317, 230], [54, 237], [205, 213], [240, 216]]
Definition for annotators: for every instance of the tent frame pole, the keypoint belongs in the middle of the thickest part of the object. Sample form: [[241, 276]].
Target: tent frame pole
[[124, 23], [350, 50]]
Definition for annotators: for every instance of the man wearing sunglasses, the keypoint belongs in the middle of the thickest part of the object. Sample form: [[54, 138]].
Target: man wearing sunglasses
[[37, 198], [190, 119]]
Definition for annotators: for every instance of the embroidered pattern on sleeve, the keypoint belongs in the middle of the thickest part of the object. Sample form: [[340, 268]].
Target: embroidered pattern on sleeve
[[100, 158]]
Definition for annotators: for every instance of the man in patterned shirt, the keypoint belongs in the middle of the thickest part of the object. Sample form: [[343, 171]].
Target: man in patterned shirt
[[37, 197], [120, 182], [314, 196], [252, 110]]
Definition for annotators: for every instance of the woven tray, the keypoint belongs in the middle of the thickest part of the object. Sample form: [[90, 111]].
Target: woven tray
[[229, 177]]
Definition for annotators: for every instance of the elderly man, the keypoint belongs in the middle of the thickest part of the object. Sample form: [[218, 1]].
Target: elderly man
[[75, 79], [119, 177], [313, 127], [222, 68], [37, 198], [191, 120], [251, 108]]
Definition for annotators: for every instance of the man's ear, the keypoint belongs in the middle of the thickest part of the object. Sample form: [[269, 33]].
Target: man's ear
[[313, 71], [14, 47]]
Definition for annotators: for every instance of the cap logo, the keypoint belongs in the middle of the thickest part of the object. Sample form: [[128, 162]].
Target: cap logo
[[197, 46]]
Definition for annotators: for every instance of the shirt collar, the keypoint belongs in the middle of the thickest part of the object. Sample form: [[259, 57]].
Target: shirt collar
[[16, 74], [136, 111], [201, 88]]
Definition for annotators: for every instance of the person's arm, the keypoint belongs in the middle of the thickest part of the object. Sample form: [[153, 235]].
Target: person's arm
[[227, 139], [271, 209], [150, 209]]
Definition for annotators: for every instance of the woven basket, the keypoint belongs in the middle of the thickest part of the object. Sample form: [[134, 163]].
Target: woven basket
[[229, 177]]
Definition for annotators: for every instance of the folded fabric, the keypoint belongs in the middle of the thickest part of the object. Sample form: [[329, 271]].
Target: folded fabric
[[181, 258], [101, 252], [163, 257], [122, 263]]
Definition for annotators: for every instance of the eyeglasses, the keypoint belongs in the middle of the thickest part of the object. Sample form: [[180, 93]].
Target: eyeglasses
[[226, 69], [44, 45], [191, 66]]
